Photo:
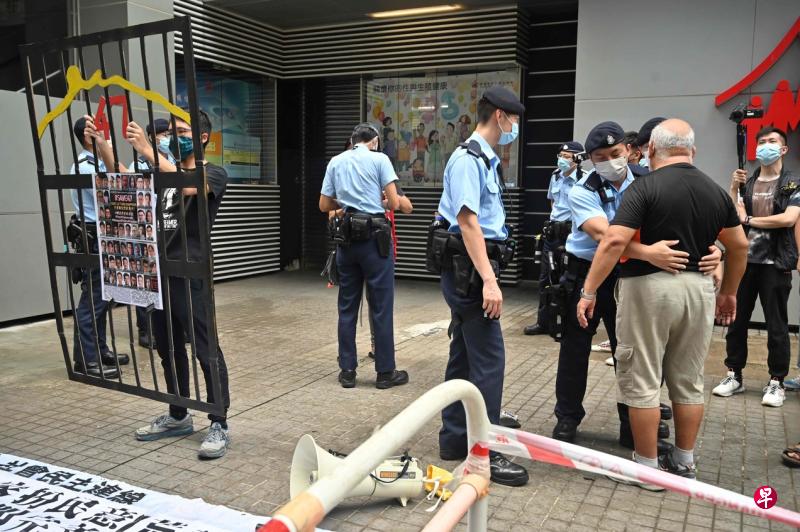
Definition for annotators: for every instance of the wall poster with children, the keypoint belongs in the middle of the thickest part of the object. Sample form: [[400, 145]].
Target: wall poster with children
[[126, 211], [423, 119]]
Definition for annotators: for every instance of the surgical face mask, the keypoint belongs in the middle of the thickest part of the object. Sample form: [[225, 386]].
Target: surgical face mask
[[768, 153], [613, 170], [163, 144], [644, 161], [564, 165], [181, 147], [507, 137]]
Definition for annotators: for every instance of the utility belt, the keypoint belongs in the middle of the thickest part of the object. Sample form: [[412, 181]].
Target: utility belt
[[75, 231], [555, 231], [558, 295], [355, 226], [447, 252]]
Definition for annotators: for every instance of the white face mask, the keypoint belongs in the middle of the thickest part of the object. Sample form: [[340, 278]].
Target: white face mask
[[613, 170]]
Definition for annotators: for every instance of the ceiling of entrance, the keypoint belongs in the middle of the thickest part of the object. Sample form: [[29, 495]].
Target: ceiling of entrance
[[287, 14]]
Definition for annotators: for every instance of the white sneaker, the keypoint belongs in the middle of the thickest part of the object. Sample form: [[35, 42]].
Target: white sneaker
[[728, 386], [602, 347], [773, 394], [610, 361], [215, 443]]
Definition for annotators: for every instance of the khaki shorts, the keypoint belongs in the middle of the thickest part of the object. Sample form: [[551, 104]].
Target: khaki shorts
[[664, 326]]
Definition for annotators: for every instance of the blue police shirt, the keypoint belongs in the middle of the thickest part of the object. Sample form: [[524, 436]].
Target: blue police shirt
[[468, 183], [585, 204], [558, 193], [356, 179], [86, 166]]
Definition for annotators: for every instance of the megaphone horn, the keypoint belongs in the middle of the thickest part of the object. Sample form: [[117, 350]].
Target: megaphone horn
[[398, 480]]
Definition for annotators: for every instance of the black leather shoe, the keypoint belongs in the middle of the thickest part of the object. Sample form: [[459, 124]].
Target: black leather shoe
[[144, 341], [108, 359], [510, 420], [391, 378], [347, 378], [666, 411], [450, 454], [663, 430], [505, 472], [565, 431], [93, 370], [534, 330]]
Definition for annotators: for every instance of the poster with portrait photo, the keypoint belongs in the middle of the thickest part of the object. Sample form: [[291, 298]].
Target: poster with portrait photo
[[129, 268]]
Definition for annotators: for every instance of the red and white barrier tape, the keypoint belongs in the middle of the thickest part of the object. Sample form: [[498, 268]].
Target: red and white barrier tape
[[544, 449]]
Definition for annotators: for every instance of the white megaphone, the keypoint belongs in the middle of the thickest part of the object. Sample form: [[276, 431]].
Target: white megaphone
[[393, 479]]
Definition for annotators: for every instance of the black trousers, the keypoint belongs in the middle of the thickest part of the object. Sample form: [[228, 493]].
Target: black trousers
[[576, 346], [772, 287], [183, 324], [477, 354]]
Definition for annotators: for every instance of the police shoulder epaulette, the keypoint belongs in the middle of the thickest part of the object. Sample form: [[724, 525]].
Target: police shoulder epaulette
[[556, 172], [638, 170], [473, 147], [594, 182], [87, 159]]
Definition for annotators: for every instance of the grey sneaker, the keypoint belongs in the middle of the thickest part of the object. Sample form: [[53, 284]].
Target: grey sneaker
[[632, 482], [667, 463], [165, 426], [216, 442]]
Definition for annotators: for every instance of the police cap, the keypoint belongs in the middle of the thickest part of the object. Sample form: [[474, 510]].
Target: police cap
[[647, 129], [160, 124], [572, 146], [504, 99], [604, 135]]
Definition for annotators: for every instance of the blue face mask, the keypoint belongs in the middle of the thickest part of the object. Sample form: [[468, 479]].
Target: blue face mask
[[644, 161], [507, 137], [163, 145], [564, 165], [768, 153], [182, 147]]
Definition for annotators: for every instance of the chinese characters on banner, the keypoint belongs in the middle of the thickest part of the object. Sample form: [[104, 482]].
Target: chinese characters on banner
[[423, 119], [126, 230], [37, 496]]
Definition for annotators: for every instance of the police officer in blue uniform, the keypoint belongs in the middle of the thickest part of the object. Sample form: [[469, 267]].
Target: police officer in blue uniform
[[593, 202], [557, 228], [472, 205], [356, 181], [86, 343], [643, 139]]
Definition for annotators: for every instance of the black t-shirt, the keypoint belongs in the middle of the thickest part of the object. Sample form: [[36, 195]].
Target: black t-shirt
[[217, 183], [676, 202]]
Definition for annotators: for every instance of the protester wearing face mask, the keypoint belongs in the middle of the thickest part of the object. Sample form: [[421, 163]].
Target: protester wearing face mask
[[556, 229], [177, 147], [769, 210], [472, 205], [593, 202]]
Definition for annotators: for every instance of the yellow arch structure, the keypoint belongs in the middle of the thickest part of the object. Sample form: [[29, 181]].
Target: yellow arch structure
[[76, 83]]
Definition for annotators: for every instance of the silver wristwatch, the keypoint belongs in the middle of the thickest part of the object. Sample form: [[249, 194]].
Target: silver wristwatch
[[590, 297]]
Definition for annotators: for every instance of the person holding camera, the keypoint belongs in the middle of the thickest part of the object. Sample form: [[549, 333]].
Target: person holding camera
[[92, 308], [556, 229], [356, 181], [768, 202]]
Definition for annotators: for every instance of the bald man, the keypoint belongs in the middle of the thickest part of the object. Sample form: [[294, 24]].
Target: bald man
[[665, 320]]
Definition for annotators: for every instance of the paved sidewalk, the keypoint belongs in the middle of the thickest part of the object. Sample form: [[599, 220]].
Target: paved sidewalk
[[279, 336]]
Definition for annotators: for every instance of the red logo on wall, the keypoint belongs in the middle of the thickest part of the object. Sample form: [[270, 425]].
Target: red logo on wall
[[784, 107]]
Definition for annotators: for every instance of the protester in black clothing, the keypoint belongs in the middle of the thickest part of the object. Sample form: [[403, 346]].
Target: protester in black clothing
[[178, 421], [769, 210]]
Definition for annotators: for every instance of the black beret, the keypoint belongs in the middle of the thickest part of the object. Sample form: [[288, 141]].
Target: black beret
[[80, 125], [604, 135], [572, 146], [504, 99], [160, 124], [647, 129]]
